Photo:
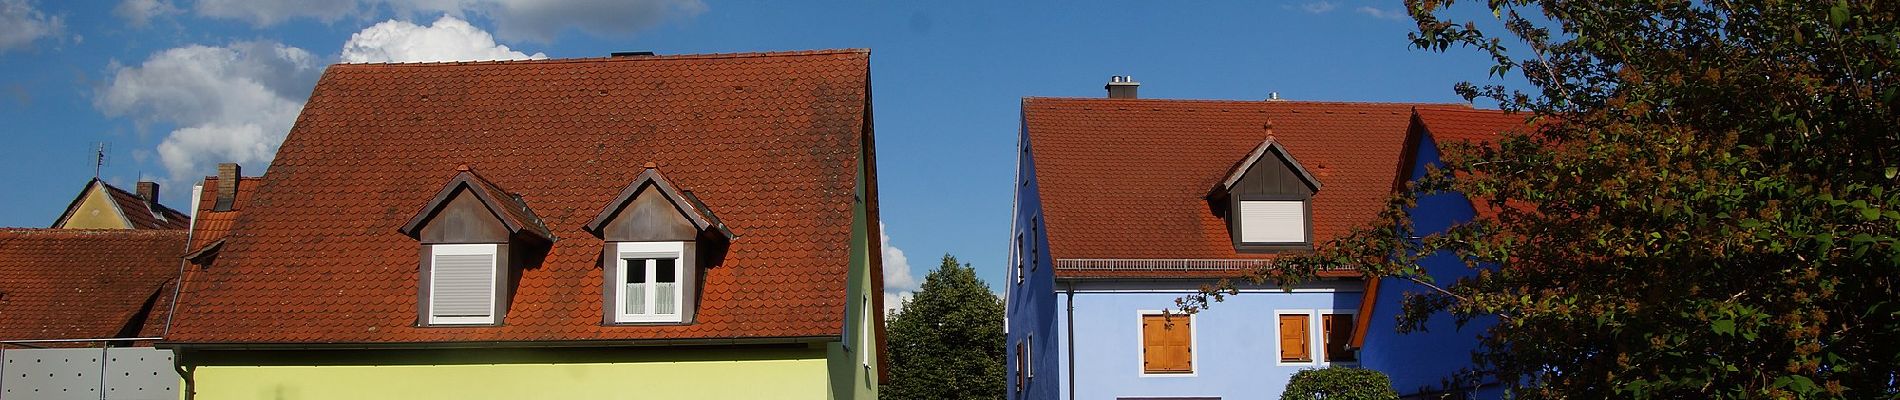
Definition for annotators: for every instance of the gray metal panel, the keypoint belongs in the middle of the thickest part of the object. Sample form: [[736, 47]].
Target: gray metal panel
[[129, 373], [140, 373], [51, 374]]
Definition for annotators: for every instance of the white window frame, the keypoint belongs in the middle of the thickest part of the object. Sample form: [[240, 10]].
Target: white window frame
[[491, 250], [1029, 359], [864, 352], [624, 250], [1020, 258], [1194, 340], [1315, 335]]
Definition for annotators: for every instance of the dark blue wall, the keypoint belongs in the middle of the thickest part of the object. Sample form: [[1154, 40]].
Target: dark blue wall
[[1032, 304], [1423, 361]]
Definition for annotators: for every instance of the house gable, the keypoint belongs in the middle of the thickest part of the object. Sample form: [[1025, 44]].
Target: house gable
[[94, 209], [651, 208], [1266, 200], [470, 209]]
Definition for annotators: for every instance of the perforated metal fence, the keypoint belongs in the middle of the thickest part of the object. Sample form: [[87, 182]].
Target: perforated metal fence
[[130, 373]]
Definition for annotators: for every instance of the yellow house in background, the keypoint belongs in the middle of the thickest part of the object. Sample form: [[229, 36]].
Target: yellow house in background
[[636, 226], [103, 206]]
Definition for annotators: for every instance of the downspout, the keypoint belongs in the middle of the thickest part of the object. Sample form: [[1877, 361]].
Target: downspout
[[1069, 317]]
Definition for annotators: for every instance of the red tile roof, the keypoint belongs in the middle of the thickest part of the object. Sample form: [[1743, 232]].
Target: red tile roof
[[213, 225], [1128, 178], [1467, 124], [770, 140], [84, 284]]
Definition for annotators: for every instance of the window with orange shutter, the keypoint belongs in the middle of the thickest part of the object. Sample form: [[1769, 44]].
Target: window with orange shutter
[[1167, 344], [1338, 334], [1294, 345]]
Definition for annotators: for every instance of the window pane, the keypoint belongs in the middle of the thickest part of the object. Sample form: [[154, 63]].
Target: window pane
[[1338, 334], [663, 271], [636, 270]]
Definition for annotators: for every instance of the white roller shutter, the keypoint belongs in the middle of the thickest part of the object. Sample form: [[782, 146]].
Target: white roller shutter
[[1275, 221], [463, 284]]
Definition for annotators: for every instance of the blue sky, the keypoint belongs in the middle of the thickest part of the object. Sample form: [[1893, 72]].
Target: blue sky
[[176, 86]]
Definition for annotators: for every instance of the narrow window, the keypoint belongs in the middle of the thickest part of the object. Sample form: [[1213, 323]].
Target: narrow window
[[1021, 257], [1167, 344], [650, 289], [865, 349], [1294, 345], [1275, 221], [1035, 252], [462, 284], [1338, 333], [1029, 356], [1020, 366]]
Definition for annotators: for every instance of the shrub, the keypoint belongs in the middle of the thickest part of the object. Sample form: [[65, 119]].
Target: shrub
[[1339, 383]]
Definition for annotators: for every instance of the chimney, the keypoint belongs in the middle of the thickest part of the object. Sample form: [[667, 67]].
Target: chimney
[[227, 187], [1122, 87], [148, 190]]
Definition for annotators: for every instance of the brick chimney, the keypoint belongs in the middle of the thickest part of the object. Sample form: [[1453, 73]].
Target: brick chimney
[[228, 178], [148, 190], [1122, 87]]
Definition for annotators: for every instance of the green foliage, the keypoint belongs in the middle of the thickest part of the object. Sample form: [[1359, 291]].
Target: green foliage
[[947, 342], [1704, 207], [1339, 383]]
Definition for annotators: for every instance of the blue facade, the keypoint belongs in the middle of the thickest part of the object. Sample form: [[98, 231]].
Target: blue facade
[[1030, 287], [1425, 361]]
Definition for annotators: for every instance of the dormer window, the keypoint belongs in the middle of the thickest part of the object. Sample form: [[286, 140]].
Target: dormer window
[[1266, 199], [472, 232], [655, 236]]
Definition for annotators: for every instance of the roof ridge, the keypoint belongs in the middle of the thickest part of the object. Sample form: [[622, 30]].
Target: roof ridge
[[574, 60], [1242, 101]]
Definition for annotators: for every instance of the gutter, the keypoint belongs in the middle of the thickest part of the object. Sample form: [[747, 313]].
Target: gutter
[[499, 344], [1069, 317]]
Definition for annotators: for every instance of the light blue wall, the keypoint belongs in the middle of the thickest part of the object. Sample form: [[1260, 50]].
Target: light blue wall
[[1423, 361], [1235, 343]]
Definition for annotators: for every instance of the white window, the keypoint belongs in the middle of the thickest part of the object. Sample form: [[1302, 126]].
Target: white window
[[864, 351], [462, 284], [1029, 357], [650, 288], [1272, 221], [1020, 258]]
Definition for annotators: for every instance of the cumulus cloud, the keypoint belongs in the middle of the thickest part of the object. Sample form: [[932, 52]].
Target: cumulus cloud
[[899, 284], [536, 20], [139, 13], [1381, 13], [21, 24], [1319, 7], [448, 39], [229, 103], [269, 12]]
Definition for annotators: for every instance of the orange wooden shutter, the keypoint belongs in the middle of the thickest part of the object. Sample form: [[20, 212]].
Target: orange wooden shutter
[[1166, 345], [1293, 333]]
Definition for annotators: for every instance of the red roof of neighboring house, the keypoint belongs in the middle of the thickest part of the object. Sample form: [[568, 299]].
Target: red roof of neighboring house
[[213, 225], [1129, 178], [770, 140], [1467, 124], [85, 284], [138, 212]]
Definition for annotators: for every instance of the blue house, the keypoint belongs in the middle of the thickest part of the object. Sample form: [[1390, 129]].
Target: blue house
[[1124, 205]]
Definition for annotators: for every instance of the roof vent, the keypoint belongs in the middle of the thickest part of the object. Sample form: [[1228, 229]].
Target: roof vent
[[619, 54], [1122, 87], [1274, 96]]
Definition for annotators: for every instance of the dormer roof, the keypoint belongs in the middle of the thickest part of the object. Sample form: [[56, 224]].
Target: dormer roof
[[1266, 147], [507, 207], [688, 205]]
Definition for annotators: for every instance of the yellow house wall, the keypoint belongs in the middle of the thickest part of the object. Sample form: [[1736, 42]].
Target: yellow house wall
[[95, 212], [659, 373]]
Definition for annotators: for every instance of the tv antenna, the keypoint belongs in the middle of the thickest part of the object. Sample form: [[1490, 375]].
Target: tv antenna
[[98, 158]]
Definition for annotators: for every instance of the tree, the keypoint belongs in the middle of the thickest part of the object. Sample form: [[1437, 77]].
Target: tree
[[947, 341], [1704, 206]]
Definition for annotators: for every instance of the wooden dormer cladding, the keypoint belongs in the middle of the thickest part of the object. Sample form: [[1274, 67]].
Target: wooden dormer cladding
[[1267, 187], [652, 209], [470, 209]]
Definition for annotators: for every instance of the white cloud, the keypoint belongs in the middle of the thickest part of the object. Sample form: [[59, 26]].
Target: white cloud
[[899, 283], [448, 39], [1319, 7], [537, 20], [894, 302], [1381, 13], [229, 103], [139, 13], [21, 24], [269, 12]]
